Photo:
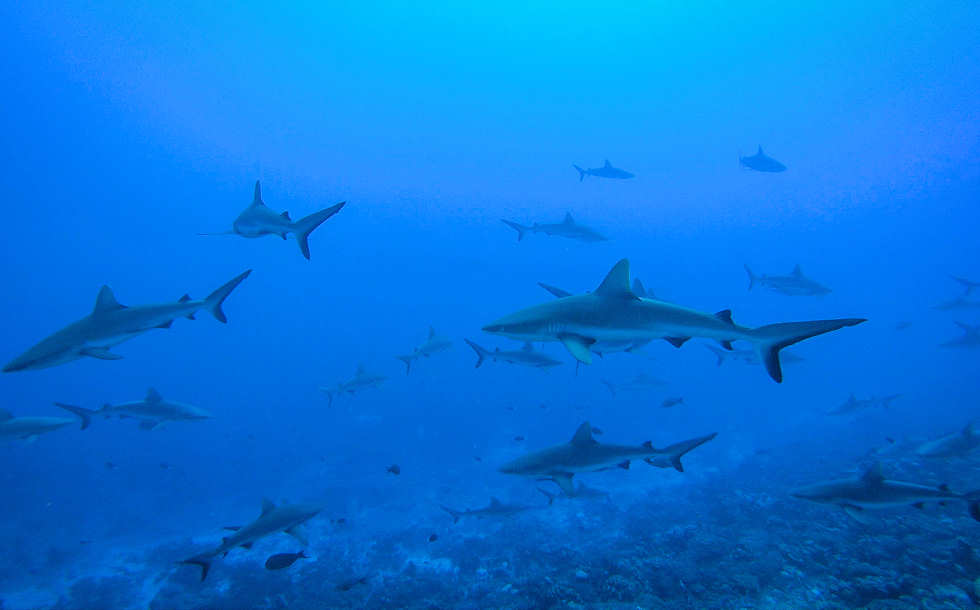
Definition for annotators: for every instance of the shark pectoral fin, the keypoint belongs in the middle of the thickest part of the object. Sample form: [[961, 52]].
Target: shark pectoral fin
[[578, 346], [564, 481], [102, 353], [726, 345], [857, 513], [150, 424], [297, 532], [247, 545]]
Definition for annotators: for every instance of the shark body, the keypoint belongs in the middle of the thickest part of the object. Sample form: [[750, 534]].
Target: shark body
[[362, 380], [957, 444], [286, 518], [568, 229], [761, 162], [606, 171], [970, 339], [793, 285], [585, 454], [496, 509], [151, 412], [30, 427], [434, 343], [110, 324], [854, 404], [613, 312], [526, 356]]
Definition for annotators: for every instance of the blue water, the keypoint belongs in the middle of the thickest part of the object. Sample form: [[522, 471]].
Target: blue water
[[128, 130]]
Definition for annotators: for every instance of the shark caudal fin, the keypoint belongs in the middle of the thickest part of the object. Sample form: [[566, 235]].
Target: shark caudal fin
[[675, 452], [752, 276], [581, 172], [456, 515], [84, 414], [214, 300], [408, 363], [481, 353], [304, 226], [551, 497], [771, 338], [203, 561], [329, 394], [521, 229]]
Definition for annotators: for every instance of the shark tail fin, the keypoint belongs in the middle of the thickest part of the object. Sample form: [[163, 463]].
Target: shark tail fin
[[84, 414], [454, 513], [304, 226], [678, 450], [214, 300], [521, 229], [581, 173], [549, 495], [771, 338], [408, 363], [481, 353], [200, 560], [330, 395], [752, 276]]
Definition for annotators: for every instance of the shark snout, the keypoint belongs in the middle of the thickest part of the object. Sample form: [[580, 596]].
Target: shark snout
[[493, 328]]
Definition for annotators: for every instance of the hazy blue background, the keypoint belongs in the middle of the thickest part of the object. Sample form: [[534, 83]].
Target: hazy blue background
[[128, 129]]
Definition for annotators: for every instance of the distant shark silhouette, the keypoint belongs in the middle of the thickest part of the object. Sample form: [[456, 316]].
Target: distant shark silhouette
[[761, 163], [606, 171], [794, 285], [567, 228], [362, 380], [526, 356], [29, 428], [970, 339]]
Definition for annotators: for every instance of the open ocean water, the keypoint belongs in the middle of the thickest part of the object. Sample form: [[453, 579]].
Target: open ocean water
[[274, 337]]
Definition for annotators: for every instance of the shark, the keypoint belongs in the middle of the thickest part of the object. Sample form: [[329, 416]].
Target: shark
[[641, 382], [793, 285], [613, 312], [30, 428], [111, 323], [526, 356], [258, 220], [433, 344], [362, 380], [853, 404], [606, 171], [760, 162], [960, 302], [748, 356], [871, 490], [970, 339], [286, 518], [567, 228], [496, 509], [968, 285], [151, 412], [957, 444], [585, 454]]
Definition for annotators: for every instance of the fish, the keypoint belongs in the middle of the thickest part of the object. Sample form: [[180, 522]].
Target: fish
[[258, 220], [433, 344], [585, 454], [526, 356], [287, 518], [362, 380], [606, 171], [347, 585], [151, 412], [871, 490], [957, 444], [394, 469], [29, 428], [968, 285], [672, 402], [760, 162], [433, 537], [280, 561], [853, 404], [613, 312], [794, 285], [567, 228], [496, 509], [111, 323], [970, 339]]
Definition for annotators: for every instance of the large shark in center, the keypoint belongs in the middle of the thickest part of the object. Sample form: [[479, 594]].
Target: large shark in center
[[613, 312], [761, 162], [110, 324], [585, 454], [606, 171]]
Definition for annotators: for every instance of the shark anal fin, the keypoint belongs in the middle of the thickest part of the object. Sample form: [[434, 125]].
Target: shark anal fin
[[564, 481], [856, 513], [578, 346], [166, 324], [676, 341], [102, 353], [726, 345]]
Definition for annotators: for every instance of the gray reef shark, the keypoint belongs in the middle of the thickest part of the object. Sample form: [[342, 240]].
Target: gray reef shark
[[496, 509], [287, 518], [526, 356], [793, 285], [760, 162], [258, 220], [433, 344], [968, 285], [853, 404], [960, 302], [29, 428], [970, 339], [585, 454], [606, 171], [614, 313], [110, 324], [151, 412], [957, 444], [362, 380], [568, 228], [748, 356], [871, 490]]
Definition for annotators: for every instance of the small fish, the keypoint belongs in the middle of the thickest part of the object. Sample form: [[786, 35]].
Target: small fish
[[110, 466], [671, 402], [85, 541], [433, 538], [518, 438], [903, 325], [281, 561], [394, 469], [347, 585]]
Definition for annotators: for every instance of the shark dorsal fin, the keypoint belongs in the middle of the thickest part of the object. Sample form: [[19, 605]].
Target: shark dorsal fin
[[528, 347], [257, 196], [494, 502], [105, 301], [267, 506], [5, 415], [285, 215], [432, 332], [607, 164], [568, 219], [184, 298], [360, 370], [759, 152], [797, 271], [725, 315], [873, 476], [617, 282], [583, 436], [638, 288], [152, 396]]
